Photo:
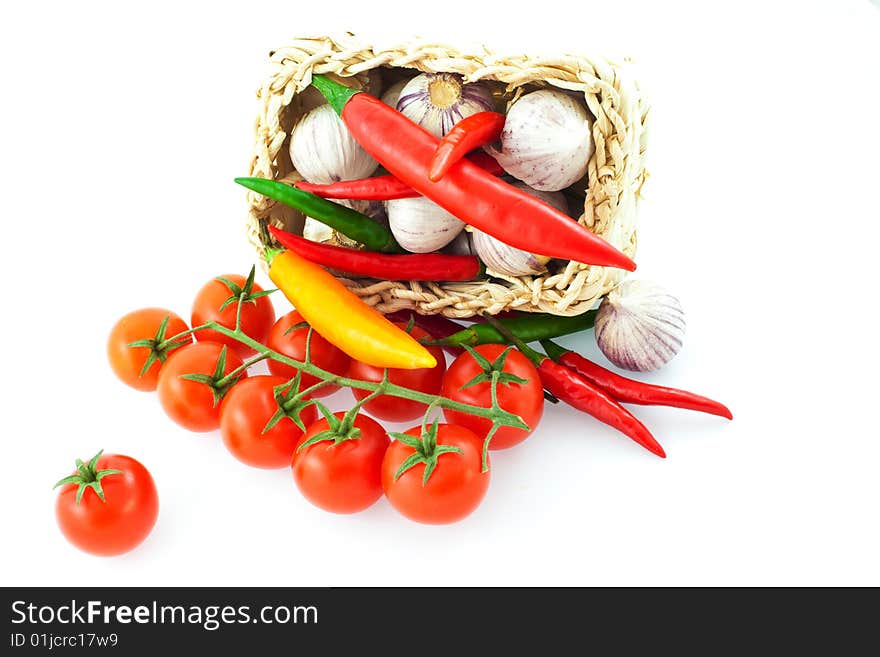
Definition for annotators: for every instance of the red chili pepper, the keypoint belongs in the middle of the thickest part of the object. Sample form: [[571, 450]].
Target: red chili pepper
[[384, 266], [474, 196], [576, 391], [630, 391], [437, 326], [384, 188], [471, 132]]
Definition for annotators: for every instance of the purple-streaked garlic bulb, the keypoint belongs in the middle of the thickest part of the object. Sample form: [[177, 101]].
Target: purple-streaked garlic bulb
[[504, 259], [437, 101], [639, 326], [547, 140], [420, 225]]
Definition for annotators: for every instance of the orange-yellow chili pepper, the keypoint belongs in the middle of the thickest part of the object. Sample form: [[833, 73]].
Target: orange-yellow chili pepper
[[341, 318]]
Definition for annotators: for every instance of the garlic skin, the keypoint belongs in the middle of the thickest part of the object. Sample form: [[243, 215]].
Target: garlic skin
[[437, 101], [640, 326], [547, 140], [507, 260], [420, 225], [323, 151], [392, 93]]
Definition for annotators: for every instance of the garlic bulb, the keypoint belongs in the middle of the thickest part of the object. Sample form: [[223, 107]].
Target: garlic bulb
[[420, 225], [437, 101], [504, 259], [323, 151], [639, 326], [392, 93], [547, 140]]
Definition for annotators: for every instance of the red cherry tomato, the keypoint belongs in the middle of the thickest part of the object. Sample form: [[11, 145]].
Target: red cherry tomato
[[144, 324], [293, 345], [455, 488], [257, 314], [397, 409], [523, 399], [192, 404], [118, 523], [342, 477], [244, 414]]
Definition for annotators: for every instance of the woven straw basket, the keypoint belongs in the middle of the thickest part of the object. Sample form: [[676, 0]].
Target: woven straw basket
[[615, 174]]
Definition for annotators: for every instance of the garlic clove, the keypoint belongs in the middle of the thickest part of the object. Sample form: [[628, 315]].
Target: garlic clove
[[640, 326], [323, 151], [547, 140], [420, 225], [437, 101], [501, 258]]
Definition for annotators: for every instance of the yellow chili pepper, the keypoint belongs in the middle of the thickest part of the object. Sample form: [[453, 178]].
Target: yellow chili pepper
[[341, 318]]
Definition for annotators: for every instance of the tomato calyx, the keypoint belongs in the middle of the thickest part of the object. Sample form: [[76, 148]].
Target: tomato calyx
[[297, 327], [291, 403], [159, 346], [493, 372], [88, 476], [218, 382], [427, 450], [242, 294]]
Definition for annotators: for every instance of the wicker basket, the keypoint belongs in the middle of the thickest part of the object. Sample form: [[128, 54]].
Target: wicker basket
[[615, 175]]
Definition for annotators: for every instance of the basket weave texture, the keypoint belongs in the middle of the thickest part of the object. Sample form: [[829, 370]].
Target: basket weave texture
[[615, 175]]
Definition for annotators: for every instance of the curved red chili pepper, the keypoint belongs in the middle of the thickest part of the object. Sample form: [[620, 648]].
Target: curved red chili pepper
[[384, 266], [471, 132], [384, 188]]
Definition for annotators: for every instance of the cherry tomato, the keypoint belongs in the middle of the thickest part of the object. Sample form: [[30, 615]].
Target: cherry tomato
[[192, 403], [455, 488], [118, 523], [246, 410], [523, 399], [397, 409], [342, 477], [257, 314], [143, 325], [293, 345]]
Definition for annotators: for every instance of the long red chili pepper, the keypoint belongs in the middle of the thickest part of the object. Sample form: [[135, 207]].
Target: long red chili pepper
[[384, 188], [630, 391], [466, 191], [471, 132], [576, 391], [437, 326], [384, 266]]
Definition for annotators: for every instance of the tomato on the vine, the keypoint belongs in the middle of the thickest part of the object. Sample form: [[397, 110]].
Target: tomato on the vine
[[108, 506], [254, 427], [397, 409], [189, 389], [519, 391], [138, 345], [218, 301], [341, 471], [434, 476], [291, 342]]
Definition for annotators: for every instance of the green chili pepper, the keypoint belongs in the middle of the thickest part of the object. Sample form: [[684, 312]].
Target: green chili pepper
[[350, 223], [528, 328]]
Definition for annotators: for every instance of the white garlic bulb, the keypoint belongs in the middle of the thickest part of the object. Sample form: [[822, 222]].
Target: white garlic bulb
[[437, 101], [504, 259], [547, 140], [639, 326], [323, 151], [420, 225]]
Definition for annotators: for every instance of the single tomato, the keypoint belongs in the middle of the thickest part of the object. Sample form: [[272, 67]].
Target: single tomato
[[444, 483], [138, 345], [107, 506], [525, 398], [247, 409], [195, 404], [291, 342], [218, 301], [341, 474], [397, 409]]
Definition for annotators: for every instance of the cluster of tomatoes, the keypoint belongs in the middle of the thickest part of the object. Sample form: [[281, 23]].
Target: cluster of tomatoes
[[341, 462]]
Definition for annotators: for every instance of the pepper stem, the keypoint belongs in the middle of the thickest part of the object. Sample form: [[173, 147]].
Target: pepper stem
[[508, 335], [554, 350], [336, 94]]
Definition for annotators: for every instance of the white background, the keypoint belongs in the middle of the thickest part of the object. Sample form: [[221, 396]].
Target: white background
[[122, 128]]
